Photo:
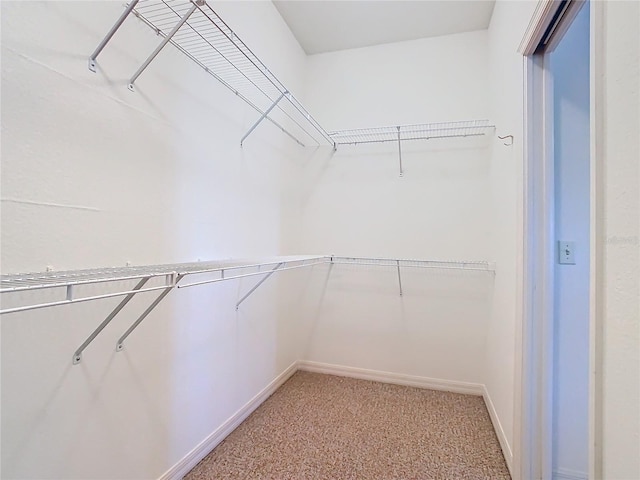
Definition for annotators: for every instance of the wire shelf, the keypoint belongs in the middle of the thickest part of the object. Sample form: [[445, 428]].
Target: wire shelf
[[173, 273], [197, 31], [207, 40], [226, 270], [403, 263], [423, 131], [34, 281]]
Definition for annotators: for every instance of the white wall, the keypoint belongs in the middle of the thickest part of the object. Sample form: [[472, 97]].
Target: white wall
[[436, 329], [618, 234], [418, 81], [94, 175], [570, 69], [508, 24], [355, 203]]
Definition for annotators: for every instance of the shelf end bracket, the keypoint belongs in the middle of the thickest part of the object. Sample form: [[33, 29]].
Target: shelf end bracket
[[164, 42], [107, 38], [173, 281], [400, 155], [262, 117], [255, 287], [77, 355]]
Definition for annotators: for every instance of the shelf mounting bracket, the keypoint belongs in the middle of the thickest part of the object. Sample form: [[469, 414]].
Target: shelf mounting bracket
[[173, 281], [164, 42], [77, 355], [262, 117], [107, 38], [399, 276], [273, 270], [400, 155]]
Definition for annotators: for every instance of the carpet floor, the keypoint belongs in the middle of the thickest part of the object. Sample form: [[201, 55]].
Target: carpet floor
[[326, 427]]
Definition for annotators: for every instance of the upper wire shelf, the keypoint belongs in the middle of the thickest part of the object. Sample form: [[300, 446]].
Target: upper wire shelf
[[422, 131], [437, 264], [403, 133], [195, 29]]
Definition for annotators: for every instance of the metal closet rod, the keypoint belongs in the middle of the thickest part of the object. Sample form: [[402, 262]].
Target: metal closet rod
[[221, 53]]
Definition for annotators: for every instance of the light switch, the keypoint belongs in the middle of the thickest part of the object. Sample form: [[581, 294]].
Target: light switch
[[566, 252]]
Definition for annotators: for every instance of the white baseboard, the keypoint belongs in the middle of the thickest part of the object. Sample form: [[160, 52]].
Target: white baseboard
[[565, 474], [497, 426], [395, 378], [186, 464]]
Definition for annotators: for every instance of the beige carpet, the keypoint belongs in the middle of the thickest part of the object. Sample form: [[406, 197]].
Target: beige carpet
[[326, 427]]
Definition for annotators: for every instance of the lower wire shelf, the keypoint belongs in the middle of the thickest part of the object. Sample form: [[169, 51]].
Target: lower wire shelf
[[169, 277]]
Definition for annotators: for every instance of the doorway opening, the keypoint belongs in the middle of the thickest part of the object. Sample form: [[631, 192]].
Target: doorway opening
[[557, 411]]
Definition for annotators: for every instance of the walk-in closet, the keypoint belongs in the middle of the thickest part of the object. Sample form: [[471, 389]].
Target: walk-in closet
[[275, 239]]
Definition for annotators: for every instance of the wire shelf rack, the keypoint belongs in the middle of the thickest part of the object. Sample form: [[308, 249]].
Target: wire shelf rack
[[197, 31], [172, 274], [403, 133], [70, 278], [423, 131], [436, 264]]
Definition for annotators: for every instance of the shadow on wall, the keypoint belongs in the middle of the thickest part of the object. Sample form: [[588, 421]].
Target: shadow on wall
[[436, 329]]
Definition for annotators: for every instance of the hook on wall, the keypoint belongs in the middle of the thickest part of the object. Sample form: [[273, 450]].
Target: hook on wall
[[504, 138]]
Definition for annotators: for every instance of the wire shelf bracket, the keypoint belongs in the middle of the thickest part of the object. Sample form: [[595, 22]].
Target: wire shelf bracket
[[164, 42], [255, 287], [77, 355], [110, 34], [175, 279], [198, 32], [264, 115]]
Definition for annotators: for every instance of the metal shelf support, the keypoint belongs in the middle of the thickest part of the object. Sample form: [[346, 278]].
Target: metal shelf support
[[400, 156], [110, 34], [164, 42], [255, 287], [174, 281], [263, 116], [399, 276], [77, 355]]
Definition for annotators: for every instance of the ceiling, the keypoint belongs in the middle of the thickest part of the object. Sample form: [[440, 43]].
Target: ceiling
[[330, 25]]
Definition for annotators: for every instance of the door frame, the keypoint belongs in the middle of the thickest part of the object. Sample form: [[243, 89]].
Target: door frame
[[533, 410]]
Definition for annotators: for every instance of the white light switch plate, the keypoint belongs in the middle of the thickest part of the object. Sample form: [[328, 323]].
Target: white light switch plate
[[566, 252]]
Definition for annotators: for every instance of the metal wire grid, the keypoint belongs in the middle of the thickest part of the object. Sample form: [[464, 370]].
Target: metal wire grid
[[424, 131], [173, 273], [33, 281], [389, 262], [207, 39], [279, 265]]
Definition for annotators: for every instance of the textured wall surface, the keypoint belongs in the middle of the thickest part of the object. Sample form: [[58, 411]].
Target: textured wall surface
[[94, 175], [358, 204], [619, 228]]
